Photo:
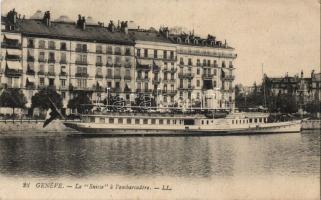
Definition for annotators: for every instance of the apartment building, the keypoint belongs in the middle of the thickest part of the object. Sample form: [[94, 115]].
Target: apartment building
[[205, 71], [70, 56]]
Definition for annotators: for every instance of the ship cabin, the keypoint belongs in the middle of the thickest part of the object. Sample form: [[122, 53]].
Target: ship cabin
[[233, 120]]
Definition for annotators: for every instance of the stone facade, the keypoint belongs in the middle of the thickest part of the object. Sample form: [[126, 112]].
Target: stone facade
[[176, 69]]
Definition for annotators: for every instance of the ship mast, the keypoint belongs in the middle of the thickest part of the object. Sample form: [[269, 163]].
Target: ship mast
[[263, 83]]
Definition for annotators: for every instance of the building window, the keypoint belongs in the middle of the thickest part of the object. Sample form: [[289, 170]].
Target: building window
[[127, 52], [172, 55], [42, 81], [198, 83], [181, 61], [63, 58], [63, 94], [138, 53], [98, 60], [63, 82], [145, 121], [51, 82], [129, 121], [215, 72], [52, 45], [161, 121], [99, 49], [190, 61], [63, 46], [155, 53], [109, 50], [145, 53], [198, 71], [214, 84], [165, 54], [51, 57], [136, 121], [30, 43], [42, 44]]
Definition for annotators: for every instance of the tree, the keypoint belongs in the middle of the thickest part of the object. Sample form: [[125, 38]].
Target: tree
[[13, 98], [41, 99], [81, 102]]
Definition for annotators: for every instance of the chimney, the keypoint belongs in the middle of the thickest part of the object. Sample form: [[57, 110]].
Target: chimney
[[12, 16], [83, 25], [46, 18]]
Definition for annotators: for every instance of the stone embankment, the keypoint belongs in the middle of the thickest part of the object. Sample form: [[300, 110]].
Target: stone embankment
[[31, 126], [311, 124]]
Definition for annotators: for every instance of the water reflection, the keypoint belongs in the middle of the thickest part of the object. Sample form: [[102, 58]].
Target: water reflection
[[204, 157]]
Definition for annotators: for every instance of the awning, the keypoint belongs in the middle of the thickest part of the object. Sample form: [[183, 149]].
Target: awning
[[10, 37], [14, 65], [31, 79]]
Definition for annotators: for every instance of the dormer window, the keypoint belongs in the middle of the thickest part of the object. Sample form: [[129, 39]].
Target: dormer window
[[212, 43], [186, 40], [196, 42], [179, 40]]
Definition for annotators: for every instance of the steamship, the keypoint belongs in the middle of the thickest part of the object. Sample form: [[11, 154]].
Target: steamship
[[141, 124]]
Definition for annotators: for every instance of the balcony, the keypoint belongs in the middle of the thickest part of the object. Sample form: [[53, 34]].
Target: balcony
[[228, 77], [42, 60], [81, 62], [117, 53], [169, 92], [156, 81], [31, 59], [188, 75], [99, 51], [128, 65], [51, 74], [52, 47], [109, 64], [11, 45], [128, 53], [117, 65], [143, 67], [84, 50], [207, 76], [41, 73], [31, 45], [30, 86], [12, 57], [63, 61], [186, 88], [127, 77], [30, 72], [82, 74], [62, 73], [142, 79], [63, 87], [99, 64], [109, 76], [13, 72], [51, 60], [117, 76], [99, 76]]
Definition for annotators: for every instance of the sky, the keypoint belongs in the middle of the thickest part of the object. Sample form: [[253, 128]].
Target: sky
[[283, 36]]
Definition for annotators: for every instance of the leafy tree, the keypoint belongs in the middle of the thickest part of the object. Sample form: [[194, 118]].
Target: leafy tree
[[81, 102], [41, 99], [13, 98]]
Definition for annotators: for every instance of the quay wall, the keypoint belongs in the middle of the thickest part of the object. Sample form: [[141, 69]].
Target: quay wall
[[31, 126], [311, 124]]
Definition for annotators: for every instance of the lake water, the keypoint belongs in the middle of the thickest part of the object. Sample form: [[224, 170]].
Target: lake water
[[279, 166]]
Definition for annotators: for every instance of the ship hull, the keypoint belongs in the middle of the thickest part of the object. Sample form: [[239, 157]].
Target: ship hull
[[109, 130]]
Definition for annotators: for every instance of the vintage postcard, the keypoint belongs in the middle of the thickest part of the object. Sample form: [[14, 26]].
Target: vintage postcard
[[163, 99]]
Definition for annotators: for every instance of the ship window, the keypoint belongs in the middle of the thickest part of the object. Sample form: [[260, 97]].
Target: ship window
[[102, 120], [111, 120], [153, 121], [145, 121], [129, 121], [120, 120], [161, 121], [168, 121], [136, 121]]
